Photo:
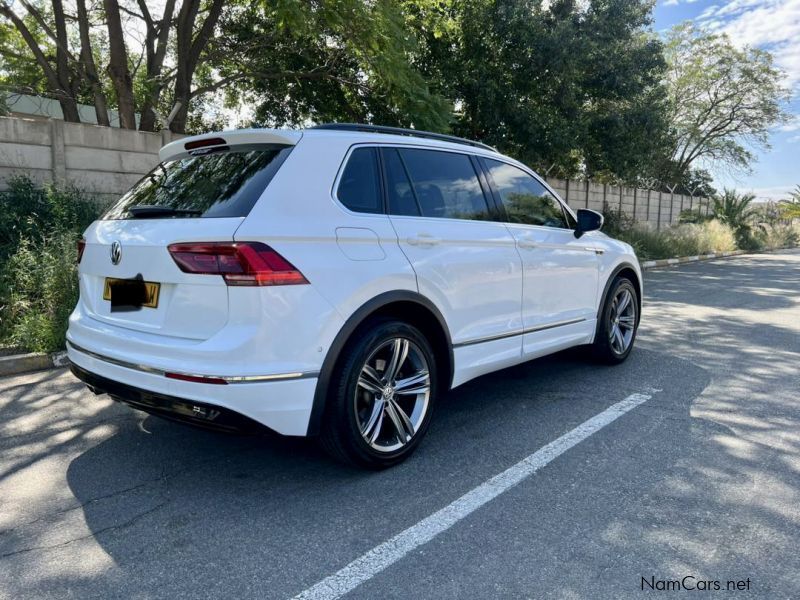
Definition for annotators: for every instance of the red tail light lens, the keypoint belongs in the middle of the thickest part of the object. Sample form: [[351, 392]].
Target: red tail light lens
[[81, 248], [196, 378], [239, 263]]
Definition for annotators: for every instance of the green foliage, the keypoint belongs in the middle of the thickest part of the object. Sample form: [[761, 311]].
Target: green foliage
[[734, 210], [31, 211], [348, 60], [566, 84], [694, 215], [39, 230], [687, 239], [790, 208], [41, 279]]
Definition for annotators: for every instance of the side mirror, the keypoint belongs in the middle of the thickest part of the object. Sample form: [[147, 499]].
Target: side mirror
[[588, 220]]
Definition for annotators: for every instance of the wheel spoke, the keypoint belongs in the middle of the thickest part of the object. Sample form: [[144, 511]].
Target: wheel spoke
[[624, 300], [401, 422], [627, 322], [619, 339], [399, 354], [416, 384], [370, 380], [378, 411]]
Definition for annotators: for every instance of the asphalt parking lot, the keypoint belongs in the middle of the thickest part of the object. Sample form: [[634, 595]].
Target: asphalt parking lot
[[699, 478]]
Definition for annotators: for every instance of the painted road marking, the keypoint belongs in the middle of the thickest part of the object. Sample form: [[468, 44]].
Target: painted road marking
[[389, 552]]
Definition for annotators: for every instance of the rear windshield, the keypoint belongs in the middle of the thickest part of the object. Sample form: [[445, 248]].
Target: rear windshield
[[225, 182]]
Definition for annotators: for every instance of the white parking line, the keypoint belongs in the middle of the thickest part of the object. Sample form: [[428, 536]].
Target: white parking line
[[376, 560]]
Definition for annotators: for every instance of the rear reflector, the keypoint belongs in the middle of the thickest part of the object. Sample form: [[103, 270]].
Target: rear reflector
[[196, 378], [81, 248], [239, 263]]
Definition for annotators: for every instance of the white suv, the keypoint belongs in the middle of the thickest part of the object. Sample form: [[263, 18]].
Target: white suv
[[336, 281]]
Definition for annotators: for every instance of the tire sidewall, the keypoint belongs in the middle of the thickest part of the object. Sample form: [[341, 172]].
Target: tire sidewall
[[609, 352], [372, 337]]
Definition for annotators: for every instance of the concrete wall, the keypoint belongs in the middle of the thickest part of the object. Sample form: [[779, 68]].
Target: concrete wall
[[657, 208], [107, 161], [103, 161]]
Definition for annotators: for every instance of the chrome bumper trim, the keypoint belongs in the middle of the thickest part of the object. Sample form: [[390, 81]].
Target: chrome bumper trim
[[227, 379]]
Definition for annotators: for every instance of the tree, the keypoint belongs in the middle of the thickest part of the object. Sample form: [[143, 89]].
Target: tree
[[564, 84], [790, 208], [45, 36], [326, 61], [722, 100], [734, 210]]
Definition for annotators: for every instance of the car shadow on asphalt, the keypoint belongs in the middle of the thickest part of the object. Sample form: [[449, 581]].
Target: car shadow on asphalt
[[182, 507]]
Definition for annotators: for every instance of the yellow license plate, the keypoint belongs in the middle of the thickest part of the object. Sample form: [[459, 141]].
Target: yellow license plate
[[131, 292]]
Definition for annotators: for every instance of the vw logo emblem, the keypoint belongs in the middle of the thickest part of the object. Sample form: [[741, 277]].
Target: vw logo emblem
[[116, 253]]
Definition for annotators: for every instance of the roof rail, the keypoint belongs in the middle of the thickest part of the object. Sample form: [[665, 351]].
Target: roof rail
[[401, 131]]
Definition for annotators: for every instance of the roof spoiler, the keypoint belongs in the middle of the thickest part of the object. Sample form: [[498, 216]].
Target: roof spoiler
[[229, 138]]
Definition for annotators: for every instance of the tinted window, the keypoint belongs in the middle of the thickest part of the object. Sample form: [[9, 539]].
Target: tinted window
[[445, 184], [525, 199], [221, 183], [360, 189], [402, 200]]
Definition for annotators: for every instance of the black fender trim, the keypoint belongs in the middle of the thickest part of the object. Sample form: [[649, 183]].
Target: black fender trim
[[356, 319], [619, 268]]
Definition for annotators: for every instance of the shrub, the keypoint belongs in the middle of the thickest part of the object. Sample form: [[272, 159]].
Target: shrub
[[734, 209], [42, 289], [688, 239], [39, 229], [778, 235], [31, 211]]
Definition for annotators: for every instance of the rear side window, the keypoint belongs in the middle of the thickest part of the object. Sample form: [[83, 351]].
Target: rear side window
[[525, 199], [360, 187], [221, 183], [445, 184]]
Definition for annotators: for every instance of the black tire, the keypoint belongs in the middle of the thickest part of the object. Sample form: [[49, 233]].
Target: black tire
[[606, 347], [345, 411]]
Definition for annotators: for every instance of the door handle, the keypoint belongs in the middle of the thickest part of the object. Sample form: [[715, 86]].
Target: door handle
[[526, 244], [424, 239]]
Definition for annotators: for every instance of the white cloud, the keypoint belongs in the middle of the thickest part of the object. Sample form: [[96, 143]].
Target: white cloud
[[794, 139], [780, 192], [671, 2], [793, 125], [770, 24]]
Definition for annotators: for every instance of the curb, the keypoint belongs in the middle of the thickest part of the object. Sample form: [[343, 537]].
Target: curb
[[33, 361], [668, 262]]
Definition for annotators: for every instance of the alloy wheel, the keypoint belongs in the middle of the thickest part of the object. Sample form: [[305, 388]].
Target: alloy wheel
[[392, 394], [622, 321]]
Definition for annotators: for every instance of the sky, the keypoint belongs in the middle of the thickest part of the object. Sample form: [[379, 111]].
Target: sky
[[772, 25]]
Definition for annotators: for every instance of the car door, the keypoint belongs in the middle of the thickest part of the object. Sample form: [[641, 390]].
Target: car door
[[465, 260], [560, 272]]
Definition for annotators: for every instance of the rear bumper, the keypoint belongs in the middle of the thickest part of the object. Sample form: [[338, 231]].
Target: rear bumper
[[207, 416], [283, 405]]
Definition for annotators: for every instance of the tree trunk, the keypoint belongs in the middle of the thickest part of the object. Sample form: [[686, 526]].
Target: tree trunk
[[118, 67], [189, 48], [89, 68], [66, 84], [156, 41]]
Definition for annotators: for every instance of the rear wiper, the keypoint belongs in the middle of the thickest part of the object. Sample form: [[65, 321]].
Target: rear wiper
[[149, 211]]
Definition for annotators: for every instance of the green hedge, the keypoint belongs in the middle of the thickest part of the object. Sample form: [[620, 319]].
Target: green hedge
[[39, 230]]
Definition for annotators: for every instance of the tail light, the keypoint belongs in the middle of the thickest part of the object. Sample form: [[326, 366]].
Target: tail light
[[81, 248], [239, 263]]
